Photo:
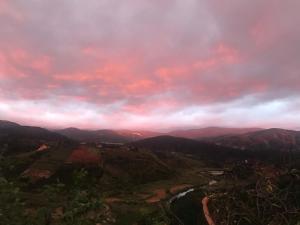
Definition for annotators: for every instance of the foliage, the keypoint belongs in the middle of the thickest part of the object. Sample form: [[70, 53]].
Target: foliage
[[80, 178], [143, 216], [53, 191], [13, 166], [81, 199], [79, 205], [273, 202], [11, 205]]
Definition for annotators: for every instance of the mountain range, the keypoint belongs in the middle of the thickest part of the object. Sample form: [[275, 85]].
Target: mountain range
[[135, 135], [15, 137]]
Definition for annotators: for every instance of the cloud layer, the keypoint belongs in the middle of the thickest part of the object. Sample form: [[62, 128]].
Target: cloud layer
[[150, 64]]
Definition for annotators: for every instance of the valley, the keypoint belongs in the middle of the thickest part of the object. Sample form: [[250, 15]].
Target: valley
[[55, 179]]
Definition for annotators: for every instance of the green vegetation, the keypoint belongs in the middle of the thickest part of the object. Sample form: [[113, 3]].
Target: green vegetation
[[124, 187], [57, 203], [11, 205]]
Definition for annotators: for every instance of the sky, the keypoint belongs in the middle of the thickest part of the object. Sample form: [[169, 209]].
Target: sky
[[158, 64]]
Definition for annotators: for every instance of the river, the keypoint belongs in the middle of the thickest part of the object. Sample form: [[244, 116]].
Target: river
[[187, 207]]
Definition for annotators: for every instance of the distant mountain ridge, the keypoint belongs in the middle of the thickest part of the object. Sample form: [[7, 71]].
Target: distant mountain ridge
[[200, 149], [268, 139], [171, 144], [106, 135], [132, 135], [238, 138], [8, 124], [15, 138], [210, 132]]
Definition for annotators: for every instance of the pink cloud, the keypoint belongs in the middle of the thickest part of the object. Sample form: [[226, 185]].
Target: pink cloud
[[144, 61], [8, 10]]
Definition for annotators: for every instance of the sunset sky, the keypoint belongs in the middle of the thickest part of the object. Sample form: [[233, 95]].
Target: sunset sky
[[150, 64]]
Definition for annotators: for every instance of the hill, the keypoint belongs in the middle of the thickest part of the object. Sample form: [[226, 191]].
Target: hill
[[114, 136], [137, 166], [210, 132], [199, 149], [93, 135], [170, 144], [8, 124], [112, 166], [269, 139], [15, 138], [133, 135]]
